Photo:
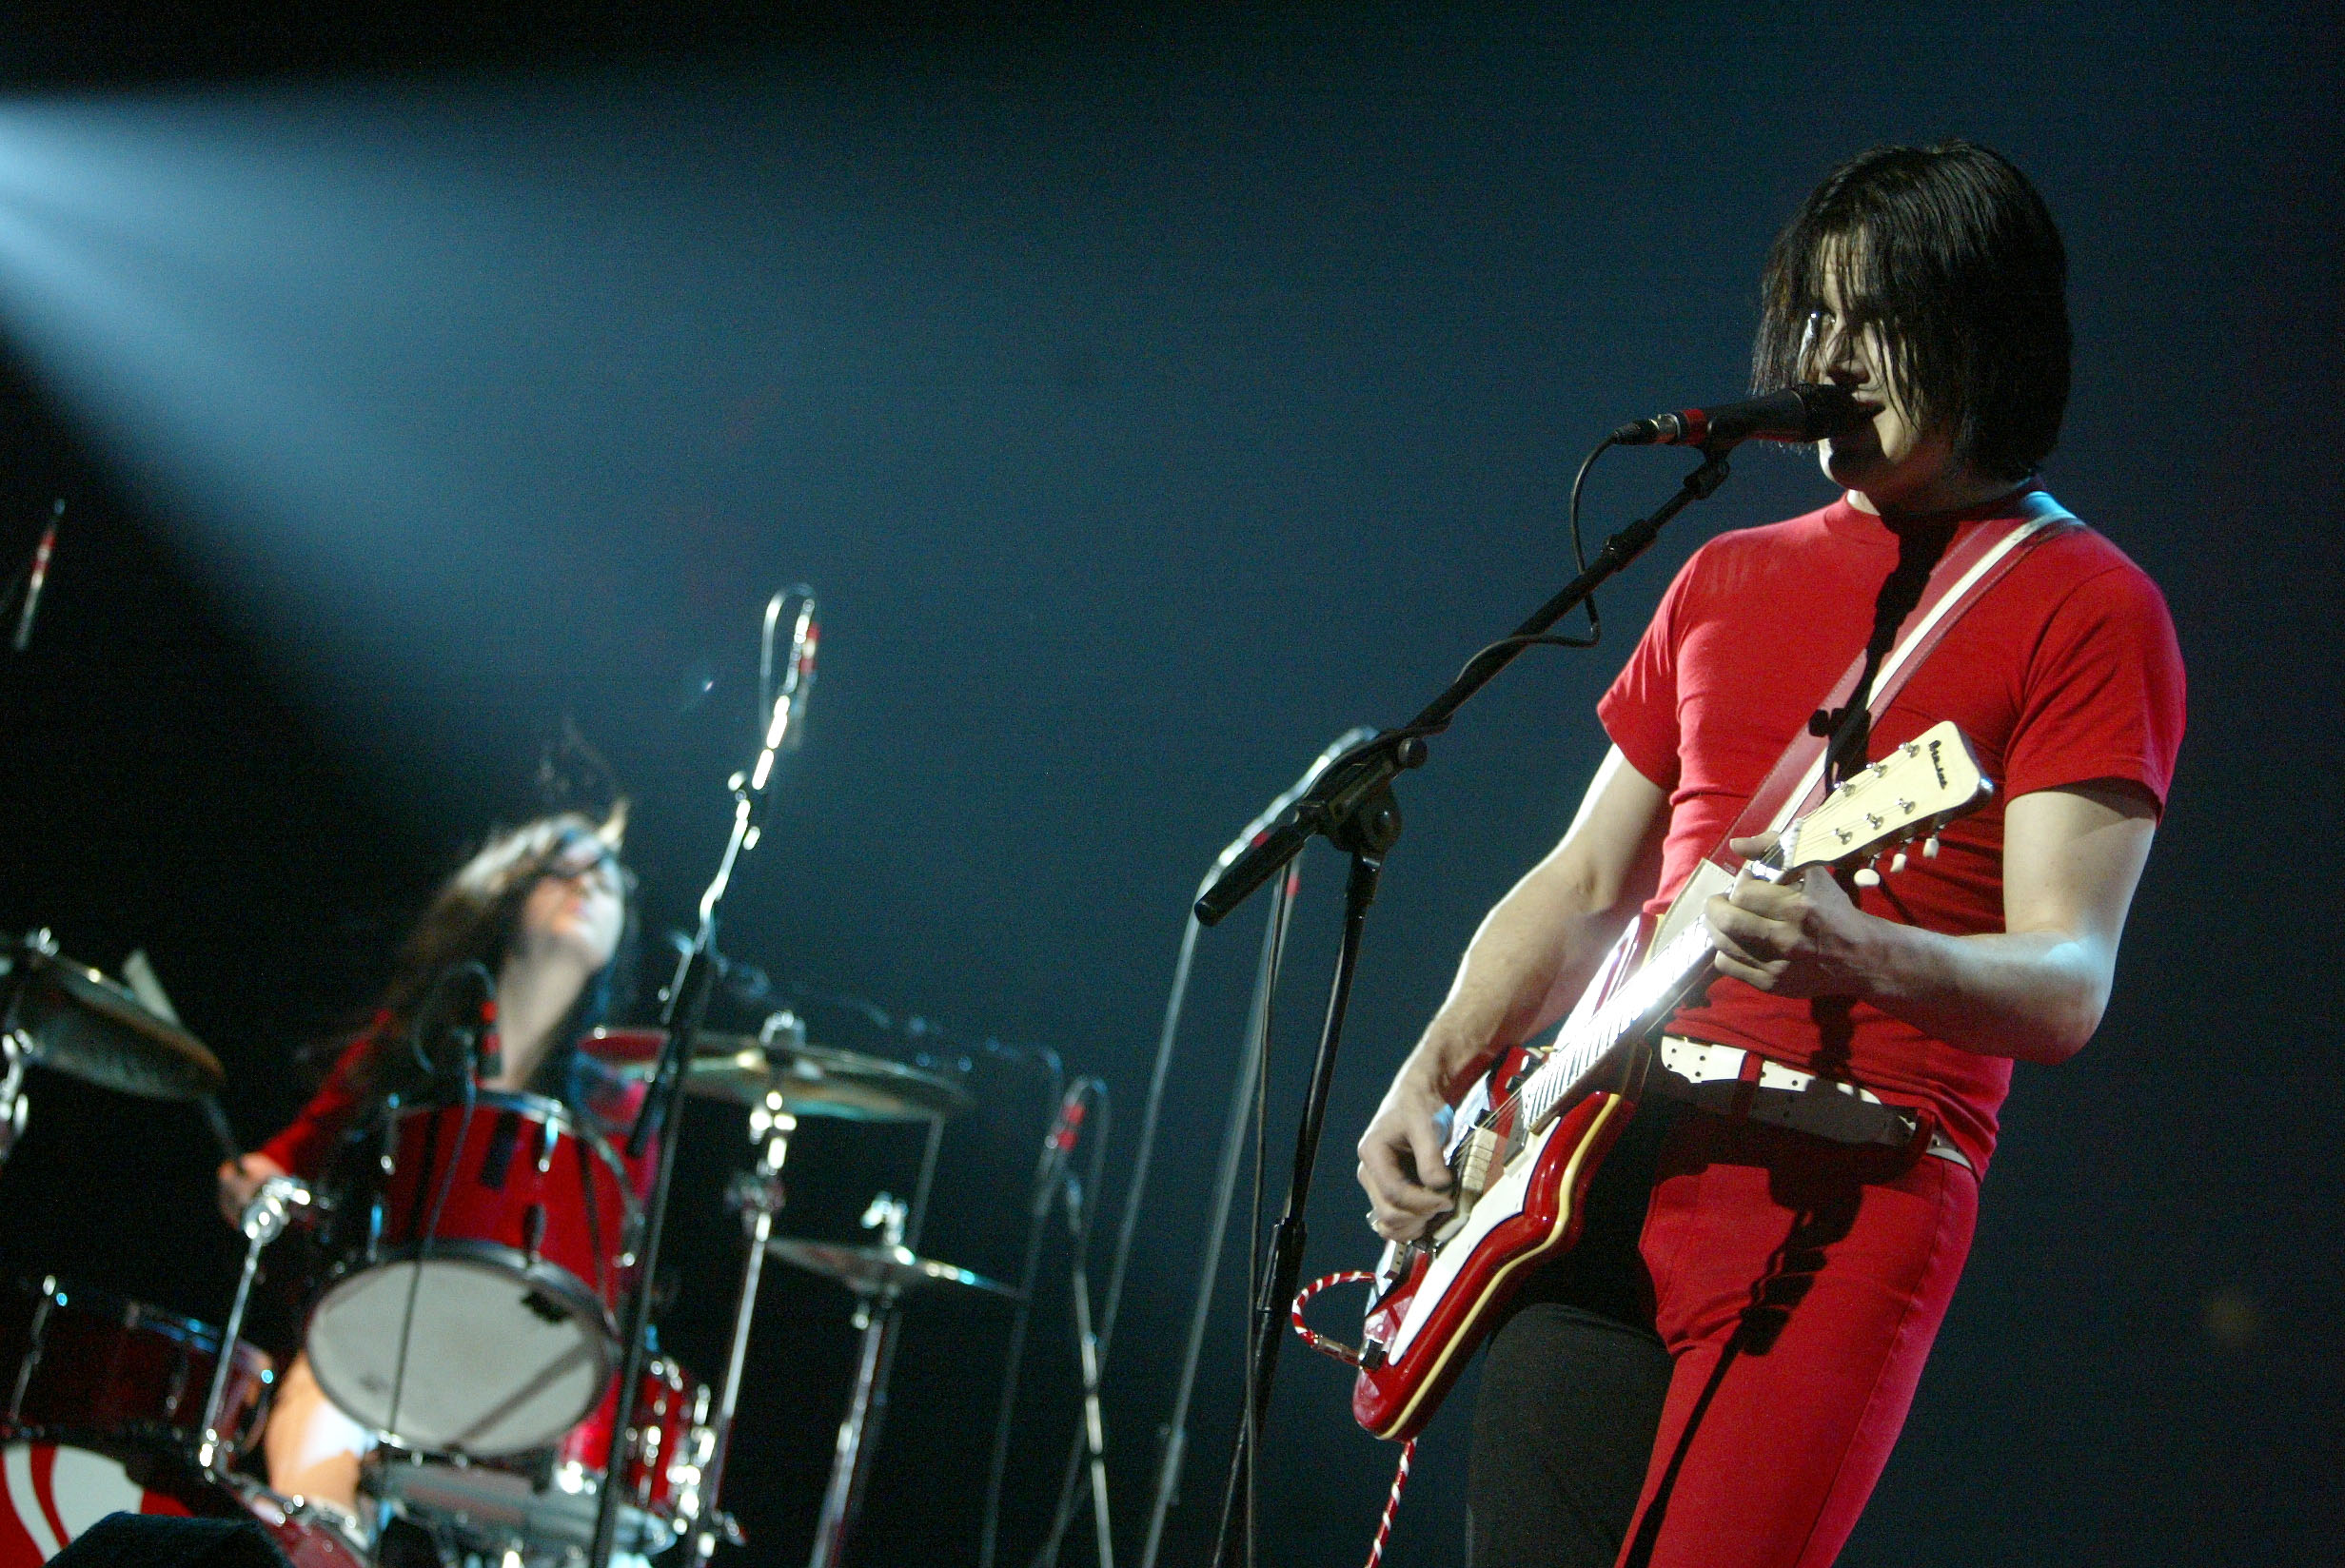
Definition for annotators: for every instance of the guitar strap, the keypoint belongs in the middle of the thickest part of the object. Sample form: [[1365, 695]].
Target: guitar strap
[[1961, 579]]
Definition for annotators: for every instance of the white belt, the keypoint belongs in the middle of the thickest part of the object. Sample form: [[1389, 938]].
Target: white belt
[[1710, 1077]]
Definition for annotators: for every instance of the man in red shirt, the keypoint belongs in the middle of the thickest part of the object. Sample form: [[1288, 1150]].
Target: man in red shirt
[[1715, 1375]]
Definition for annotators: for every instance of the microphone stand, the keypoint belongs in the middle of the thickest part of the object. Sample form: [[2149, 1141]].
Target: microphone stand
[[1353, 806], [1240, 1116], [664, 1104], [1070, 1495]]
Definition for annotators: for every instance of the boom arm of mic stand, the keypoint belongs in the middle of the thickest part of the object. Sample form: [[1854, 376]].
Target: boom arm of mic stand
[[1342, 803]]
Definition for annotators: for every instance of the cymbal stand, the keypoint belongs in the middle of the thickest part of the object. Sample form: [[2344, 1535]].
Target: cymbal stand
[[876, 1317], [14, 1101], [757, 1197], [266, 1215], [16, 1048]]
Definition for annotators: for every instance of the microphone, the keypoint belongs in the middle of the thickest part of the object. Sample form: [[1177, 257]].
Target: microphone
[[1808, 411], [799, 684], [1058, 1148], [1254, 831], [786, 725], [36, 579]]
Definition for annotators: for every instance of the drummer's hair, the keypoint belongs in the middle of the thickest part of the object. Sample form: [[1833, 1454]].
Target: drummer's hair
[[474, 919]]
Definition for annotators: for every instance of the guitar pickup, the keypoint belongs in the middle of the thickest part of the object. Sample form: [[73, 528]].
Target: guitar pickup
[[1475, 1167]]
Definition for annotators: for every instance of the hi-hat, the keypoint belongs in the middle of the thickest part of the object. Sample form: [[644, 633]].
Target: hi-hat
[[81, 1023], [878, 1270]]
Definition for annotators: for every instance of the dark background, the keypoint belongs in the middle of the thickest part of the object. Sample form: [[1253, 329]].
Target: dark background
[[1152, 394]]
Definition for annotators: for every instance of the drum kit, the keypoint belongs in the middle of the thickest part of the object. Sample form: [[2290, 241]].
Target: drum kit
[[479, 1255]]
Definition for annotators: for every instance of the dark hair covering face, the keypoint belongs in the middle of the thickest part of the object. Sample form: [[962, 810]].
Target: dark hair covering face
[[1951, 251], [473, 919]]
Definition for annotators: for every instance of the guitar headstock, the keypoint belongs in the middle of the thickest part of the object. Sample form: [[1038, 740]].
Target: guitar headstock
[[1909, 794]]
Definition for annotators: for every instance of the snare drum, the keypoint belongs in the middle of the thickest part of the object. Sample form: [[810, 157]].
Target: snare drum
[[484, 1250], [52, 1493], [666, 1453], [547, 1510], [80, 1363]]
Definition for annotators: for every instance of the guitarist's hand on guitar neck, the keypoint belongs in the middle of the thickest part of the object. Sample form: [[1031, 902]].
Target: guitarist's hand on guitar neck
[[1801, 937]]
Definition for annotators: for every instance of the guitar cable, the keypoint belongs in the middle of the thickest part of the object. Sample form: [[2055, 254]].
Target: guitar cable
[[1349, 1357]]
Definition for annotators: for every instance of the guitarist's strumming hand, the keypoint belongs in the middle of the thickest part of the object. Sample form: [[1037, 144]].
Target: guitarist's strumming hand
[[1401, 1165], [1801, 937]]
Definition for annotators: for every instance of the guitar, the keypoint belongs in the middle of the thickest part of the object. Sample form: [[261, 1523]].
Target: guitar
[[1527, 1139]]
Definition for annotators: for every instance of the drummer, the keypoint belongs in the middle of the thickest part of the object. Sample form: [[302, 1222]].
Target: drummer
[[544, 910]]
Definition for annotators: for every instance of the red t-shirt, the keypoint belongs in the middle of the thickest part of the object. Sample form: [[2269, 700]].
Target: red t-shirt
[[2064, 672], [308, 1140]]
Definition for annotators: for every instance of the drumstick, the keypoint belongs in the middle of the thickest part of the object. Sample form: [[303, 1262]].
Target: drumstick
[[221, 1134]]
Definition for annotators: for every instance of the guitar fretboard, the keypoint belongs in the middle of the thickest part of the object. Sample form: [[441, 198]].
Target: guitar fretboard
[[1654, 988]]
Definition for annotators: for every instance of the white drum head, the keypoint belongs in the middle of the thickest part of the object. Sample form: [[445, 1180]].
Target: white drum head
[[494, 1365]]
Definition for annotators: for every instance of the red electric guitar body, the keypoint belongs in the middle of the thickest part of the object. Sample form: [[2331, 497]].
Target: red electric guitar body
[[1527, 1138]]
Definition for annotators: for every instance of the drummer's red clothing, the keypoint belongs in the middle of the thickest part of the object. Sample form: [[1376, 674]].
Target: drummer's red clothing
[[303, 1147], [2064, 673], [1789, 1288]]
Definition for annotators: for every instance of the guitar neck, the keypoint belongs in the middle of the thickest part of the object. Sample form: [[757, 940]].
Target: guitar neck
[[1587, 1040]]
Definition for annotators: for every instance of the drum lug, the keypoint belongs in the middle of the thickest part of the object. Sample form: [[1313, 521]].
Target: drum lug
[[533, 1231]]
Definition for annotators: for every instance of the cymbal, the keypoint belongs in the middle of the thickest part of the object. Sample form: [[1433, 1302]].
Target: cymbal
[[811, 1080], [86, 1027], [878, 1270]]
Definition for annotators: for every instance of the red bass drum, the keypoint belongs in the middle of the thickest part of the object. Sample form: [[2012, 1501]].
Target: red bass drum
[[486, 1248]]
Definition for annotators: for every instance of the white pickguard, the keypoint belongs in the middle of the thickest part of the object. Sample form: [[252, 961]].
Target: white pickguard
[[1501, 1202]]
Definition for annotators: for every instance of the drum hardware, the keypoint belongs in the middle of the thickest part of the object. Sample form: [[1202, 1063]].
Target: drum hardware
[[879, 1276], [266, 1215], [876, 1318], [71, 1019], [881, 1271], [13, 1102], [757, 1196]]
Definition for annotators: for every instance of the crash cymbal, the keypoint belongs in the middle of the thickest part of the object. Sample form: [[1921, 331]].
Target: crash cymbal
[[878, 1270], [811, 1080], [82, 1024]]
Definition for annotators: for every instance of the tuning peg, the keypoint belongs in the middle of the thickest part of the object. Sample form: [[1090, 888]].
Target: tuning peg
[[1897, 862], [1866, 877], [1929, 848]]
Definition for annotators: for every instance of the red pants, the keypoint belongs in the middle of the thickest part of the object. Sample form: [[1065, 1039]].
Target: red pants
[[1794, 1287]]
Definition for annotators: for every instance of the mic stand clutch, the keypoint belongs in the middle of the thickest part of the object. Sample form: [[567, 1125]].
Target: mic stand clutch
[[1353, 806]]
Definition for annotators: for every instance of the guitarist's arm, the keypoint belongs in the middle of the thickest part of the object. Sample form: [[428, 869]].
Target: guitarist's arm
[[2034, 989], [1534, 952]]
